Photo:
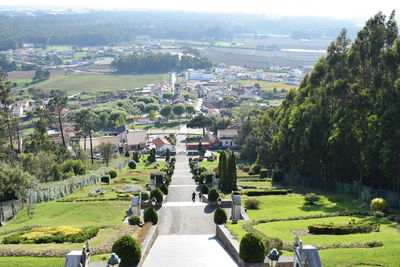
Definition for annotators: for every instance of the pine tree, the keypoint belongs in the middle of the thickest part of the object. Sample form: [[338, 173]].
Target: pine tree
[[167, 155], [221, 168]]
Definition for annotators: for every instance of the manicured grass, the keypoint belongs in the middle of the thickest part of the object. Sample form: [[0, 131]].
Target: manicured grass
[[268, 86], [31, 262], [258, 184], [93, 83]]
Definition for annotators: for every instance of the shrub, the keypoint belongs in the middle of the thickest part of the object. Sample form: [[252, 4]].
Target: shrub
[[13, 239], [173, 160], [150, 215], [251, 172], [157, 194], [246, 168], [128, 250], [144, 196], [206, 175], [256, 168], [343, 229], [220, 216], [158, 177], [210, 158], [132, 165], [164, 189], [105, 179], [311, 198], [277, 175], [252, 203], [113, 173], [263, 173], [134, 220], [240, 166], [75, 166], [204, 189], [252, 248], [263, 192], [272, 242], [213, 194], [379, 204], [127, 154]]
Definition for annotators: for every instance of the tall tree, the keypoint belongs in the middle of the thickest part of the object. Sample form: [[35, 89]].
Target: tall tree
[[56, 106], [200, 122], [107, 152], [6, 104]]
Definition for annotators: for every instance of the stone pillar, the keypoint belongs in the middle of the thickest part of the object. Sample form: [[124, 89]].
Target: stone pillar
[[135, 205], [236, 207], [306, 255]]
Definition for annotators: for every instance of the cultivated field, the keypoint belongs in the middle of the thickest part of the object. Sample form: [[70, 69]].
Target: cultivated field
[[268, 86]]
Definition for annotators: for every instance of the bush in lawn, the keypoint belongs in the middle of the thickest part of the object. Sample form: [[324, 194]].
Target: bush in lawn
[[311, 198], [128, 250], [164, 189], [256, 168], [263, 173], [132, 165], [251, 203], [277, 175], [272, 242], [136, 156], [252, 248], [379, 204], [150, 215], [204, 189], [134, 220], [144, 196], [127, 154], [113, 173], [213, 194], [246, 168], [220, 216], [157, 194]]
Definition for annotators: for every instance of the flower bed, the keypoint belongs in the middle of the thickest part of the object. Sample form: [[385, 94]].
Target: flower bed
[[52, 234]]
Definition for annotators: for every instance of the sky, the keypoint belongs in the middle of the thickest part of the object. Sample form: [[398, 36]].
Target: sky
[[332, 8]]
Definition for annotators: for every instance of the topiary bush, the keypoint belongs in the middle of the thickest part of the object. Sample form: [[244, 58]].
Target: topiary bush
[[252, 248], [164, 189], [150, 215], [144, 196], [206, 175], [134, 220], [263, 173], [158, 177], [251, 203], [157, 194], [220, 216], [246, 168], [113, 173], [128, 250], [127, 154], [213, 194], [132, 165], [379, 204], [277, 175], [311, 198], [256, 168], [273, 242], [204, 189]]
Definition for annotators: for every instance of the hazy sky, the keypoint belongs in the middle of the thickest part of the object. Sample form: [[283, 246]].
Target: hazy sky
[[332, 8]]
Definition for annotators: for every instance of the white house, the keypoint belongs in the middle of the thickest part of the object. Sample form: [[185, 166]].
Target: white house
[[226, 137], [199, 75], [133, 139], [162, 144]]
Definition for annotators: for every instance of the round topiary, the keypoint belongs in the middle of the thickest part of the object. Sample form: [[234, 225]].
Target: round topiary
[[379, 204], [127, 154], [128, 250], [134, 220], [132, 165], [204, 189], [252, 248], [157, 194], [113, 173], [150, 215], [220, 216], [144, 196], [164, 189], [213, 194]]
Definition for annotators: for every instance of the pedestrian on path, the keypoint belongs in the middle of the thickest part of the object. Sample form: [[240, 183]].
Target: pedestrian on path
[[200, 196], [194, 196]]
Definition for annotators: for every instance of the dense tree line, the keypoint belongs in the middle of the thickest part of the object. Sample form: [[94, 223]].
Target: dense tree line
[[343, 124], [162, 62]]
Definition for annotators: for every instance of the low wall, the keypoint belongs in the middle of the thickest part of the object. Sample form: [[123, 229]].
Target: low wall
[[232, 245], [148, 243]]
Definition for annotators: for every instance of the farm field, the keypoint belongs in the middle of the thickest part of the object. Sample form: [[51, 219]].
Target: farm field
[[93, 83], [269, 86]]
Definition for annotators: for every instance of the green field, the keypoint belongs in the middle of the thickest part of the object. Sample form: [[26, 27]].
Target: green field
[[268, 86], [31, 262], [93, 83]]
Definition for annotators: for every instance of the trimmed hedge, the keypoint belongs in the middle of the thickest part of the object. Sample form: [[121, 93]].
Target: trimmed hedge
[[113, 173], [263, 173], [128, 250], [164, 189], [343, 229], [157, 194], [134, 220], [213, 194], [256, 168], [150, 215], [277, 175], [207, 175], [263, 192], [132, 165], [158, 177], [204, 189], [144, 196], [220, 216], [379, 204], [252, 248]]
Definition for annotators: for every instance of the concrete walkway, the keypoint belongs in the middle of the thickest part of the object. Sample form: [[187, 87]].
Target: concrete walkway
[[186, 229]]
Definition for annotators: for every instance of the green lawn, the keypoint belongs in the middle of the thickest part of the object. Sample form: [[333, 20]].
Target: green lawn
[[170, 125], [265, 85], [31, 262], [93, 83]]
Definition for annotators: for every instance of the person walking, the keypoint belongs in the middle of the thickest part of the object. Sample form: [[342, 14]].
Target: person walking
[[194, 196], [200, 196]]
